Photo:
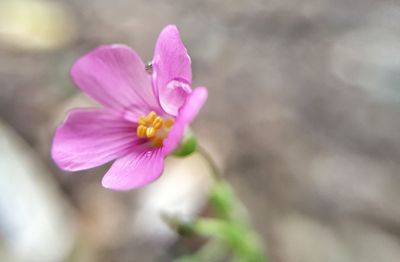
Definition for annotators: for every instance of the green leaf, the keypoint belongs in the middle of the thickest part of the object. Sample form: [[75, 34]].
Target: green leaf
[[244, 244], [222, 200], [187, 146]]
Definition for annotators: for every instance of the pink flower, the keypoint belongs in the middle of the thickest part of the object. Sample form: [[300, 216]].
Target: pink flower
[[143, 114]]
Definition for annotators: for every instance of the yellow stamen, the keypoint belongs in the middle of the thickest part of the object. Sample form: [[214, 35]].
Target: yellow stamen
[[154, 128], [150, 132], [151, 116], [168, 123], [158, 122], [141, 131], [142, 121]]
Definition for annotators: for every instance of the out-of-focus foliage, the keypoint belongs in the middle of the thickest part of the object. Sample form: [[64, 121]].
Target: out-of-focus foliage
[[229, 231]]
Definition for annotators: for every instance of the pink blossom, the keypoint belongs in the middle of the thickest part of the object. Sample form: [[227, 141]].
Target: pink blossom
[[142, 117]]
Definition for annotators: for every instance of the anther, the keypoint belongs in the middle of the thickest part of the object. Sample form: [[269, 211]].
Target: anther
[[151, 132], [154, 128], [141, 131], [151, 116], [157, 123], [168, 123], [142, 121]]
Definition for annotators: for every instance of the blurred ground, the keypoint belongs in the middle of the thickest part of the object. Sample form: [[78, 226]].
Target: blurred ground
[[302, 117]]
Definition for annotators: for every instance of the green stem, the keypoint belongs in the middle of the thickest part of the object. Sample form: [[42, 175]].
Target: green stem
[[215, 171], [228, 233], [233, 225]]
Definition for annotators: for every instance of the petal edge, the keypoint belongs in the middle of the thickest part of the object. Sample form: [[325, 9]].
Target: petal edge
[[134, 170], [91, 137], [115, 77], [171, 62]]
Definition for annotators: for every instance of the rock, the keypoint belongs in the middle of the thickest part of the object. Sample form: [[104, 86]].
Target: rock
[[181, 191], [36, 223]]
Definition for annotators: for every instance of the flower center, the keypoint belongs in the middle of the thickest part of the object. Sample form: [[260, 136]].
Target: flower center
[[154, 128]]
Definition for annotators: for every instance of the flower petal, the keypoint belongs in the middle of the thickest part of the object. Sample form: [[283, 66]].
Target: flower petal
[[173, 96], [186, 115], [172, 72], [92, 137], [135, 170], [115, 76]]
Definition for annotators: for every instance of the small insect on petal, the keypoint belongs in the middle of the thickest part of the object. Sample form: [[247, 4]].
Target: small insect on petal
[[149, 68]]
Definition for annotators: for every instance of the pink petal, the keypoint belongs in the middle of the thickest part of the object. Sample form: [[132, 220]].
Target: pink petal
[[172, 72], [92, 137], [115, 76], [135, 170], [186, 115], [173, 96]]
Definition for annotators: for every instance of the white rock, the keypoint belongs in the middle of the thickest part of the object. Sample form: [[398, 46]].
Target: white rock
[[182, 190], [35, 222]]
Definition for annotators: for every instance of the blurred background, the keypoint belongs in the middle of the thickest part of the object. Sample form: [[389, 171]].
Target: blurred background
[[302, 119]]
